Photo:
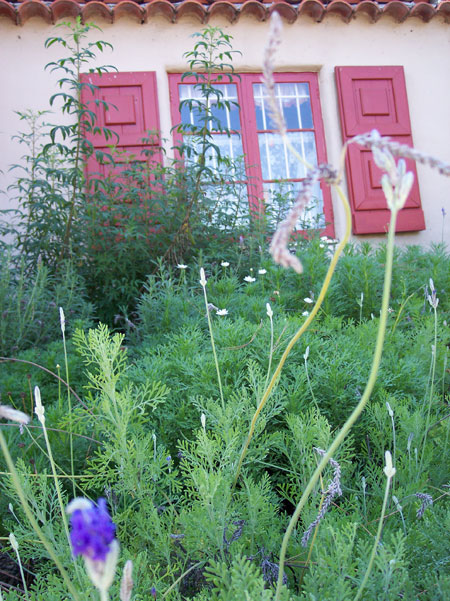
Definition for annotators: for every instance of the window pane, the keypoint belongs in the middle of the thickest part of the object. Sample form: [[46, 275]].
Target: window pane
[[229, 148], [293, 100], [228, 205], [279, 198], [223, 103], [277, 162]]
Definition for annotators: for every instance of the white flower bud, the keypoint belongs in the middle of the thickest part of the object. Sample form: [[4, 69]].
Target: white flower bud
[[202, 277], [13, 541], [62, 320], [269, 310], [404, 189], [389, 469], [126, 586], [39, 410]]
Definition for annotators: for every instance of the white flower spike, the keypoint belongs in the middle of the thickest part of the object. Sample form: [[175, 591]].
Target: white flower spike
[[202, 277], [62, 320], [13, 541], [269, 310], [39, 410], [389, 469]]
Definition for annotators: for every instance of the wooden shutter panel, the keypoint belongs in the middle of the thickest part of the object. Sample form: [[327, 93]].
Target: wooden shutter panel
[[375, 98], [132, 112]]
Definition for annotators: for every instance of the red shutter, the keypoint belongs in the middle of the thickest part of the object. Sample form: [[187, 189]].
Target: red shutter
[[375, 98], [131, 114]]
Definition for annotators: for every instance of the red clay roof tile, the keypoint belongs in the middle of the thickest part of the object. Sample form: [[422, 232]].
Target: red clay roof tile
[[20, 11]]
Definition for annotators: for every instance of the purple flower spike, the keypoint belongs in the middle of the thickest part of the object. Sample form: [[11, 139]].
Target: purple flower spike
[[153, 592], [92, 530]]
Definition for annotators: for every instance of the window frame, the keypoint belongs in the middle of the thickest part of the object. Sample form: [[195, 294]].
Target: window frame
[[249, 132]]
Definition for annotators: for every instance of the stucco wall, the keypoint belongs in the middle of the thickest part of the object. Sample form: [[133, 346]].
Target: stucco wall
[[422, 48]]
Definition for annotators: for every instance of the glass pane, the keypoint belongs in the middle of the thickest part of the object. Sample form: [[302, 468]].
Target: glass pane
[[293, 100], [229, 148], [273, 158], [228, 205], [277, 162], [224, 107], [279, 198]]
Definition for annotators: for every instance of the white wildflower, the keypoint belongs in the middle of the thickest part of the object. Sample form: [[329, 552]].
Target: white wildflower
[[248, 278], [269, 310], [39, 410], [225, 264], [222, 312], [389, 469], [13, 541], [126, 585], [262, 271], [181, 266], [202, 277], [62, 320], [308, 300]]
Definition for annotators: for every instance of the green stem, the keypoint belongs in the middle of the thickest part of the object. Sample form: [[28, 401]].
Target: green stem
[[271, 352], [22, 575], [358, 409], [433, 372], [375, 545], [213, 347], [27, 509], [69, 401], [57, 486], [302, 329]]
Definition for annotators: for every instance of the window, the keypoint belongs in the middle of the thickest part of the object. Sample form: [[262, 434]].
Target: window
[[269, 168]]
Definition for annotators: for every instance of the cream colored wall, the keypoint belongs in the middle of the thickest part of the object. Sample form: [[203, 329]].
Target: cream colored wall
[[422, 48]]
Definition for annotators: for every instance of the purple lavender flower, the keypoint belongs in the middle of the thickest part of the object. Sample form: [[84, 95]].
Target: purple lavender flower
[[333, 490], [427, 501], [153, 592], [92, 530]]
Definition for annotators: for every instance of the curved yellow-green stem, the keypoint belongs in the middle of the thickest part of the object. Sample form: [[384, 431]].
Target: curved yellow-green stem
[[358, 409], [302, 329]]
